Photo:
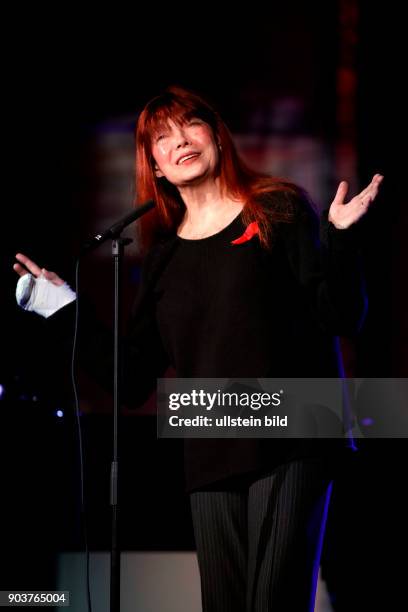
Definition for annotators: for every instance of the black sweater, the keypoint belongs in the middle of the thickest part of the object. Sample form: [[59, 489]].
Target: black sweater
[[213, 309]]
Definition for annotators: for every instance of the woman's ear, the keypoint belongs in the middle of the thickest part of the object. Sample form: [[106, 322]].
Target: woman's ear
[[157, 171]]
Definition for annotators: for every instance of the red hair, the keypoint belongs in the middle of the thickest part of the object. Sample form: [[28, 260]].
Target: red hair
[[236, 179]]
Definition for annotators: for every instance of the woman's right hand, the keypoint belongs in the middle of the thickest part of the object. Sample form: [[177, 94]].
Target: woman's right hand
[[40, 290], [36, 271]]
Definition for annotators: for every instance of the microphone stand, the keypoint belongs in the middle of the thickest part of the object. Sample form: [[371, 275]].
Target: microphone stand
[[118, 244]]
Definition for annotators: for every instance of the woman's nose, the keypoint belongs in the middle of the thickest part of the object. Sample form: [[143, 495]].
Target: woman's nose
[[181, 138]]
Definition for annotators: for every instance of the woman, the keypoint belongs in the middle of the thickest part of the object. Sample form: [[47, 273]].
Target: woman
[[238, 286]]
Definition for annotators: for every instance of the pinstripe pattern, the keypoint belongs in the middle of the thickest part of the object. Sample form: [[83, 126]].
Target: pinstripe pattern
[[259, 544]]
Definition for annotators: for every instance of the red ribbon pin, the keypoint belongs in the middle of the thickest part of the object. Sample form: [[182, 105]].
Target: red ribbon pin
[[249, 233]]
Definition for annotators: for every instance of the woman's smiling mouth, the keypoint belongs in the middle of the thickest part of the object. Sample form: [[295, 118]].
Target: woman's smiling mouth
[[187, 158]]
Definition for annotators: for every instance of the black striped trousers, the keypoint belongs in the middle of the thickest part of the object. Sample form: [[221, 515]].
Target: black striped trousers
[[259, 543]]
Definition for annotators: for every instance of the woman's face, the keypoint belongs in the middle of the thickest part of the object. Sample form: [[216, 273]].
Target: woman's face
[[185, 154]]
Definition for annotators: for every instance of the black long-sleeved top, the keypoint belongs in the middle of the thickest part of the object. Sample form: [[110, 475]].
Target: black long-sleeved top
[[213, 309]]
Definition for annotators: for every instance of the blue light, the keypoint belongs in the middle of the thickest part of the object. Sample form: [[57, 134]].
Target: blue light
[[1, 391], [60, 413]]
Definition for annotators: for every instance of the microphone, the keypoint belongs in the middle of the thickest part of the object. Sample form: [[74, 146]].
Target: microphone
[[114, 230]]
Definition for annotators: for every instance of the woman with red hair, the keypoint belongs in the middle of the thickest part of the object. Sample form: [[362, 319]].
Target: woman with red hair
[[236, 284]]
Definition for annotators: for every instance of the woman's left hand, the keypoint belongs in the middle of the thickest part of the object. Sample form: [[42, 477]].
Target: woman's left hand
[[343, 215]]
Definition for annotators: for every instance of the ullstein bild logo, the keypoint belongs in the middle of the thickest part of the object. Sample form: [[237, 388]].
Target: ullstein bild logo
[[274, 421]]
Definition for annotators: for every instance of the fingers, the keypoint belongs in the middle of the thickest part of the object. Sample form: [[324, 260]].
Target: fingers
[[51, 276], [375, 184], [19, 269], [372, 188], [28, 263], [341, 193], [31, 266], [364, 201], [367, 195]]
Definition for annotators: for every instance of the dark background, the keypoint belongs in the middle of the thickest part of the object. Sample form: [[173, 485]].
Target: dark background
[[65, 75]]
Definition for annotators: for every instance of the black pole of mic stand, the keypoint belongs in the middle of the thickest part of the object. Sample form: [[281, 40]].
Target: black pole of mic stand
[[118, 245]]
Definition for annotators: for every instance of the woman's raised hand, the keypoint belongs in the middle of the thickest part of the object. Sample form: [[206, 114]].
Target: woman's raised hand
[[40, 290], [35, 270], [343, 214]]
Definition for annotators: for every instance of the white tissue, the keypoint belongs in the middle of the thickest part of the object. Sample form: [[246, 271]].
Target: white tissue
[[41, 295]]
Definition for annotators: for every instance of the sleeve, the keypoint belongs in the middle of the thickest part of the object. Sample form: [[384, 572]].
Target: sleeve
[[327, 264], [143, 357]]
